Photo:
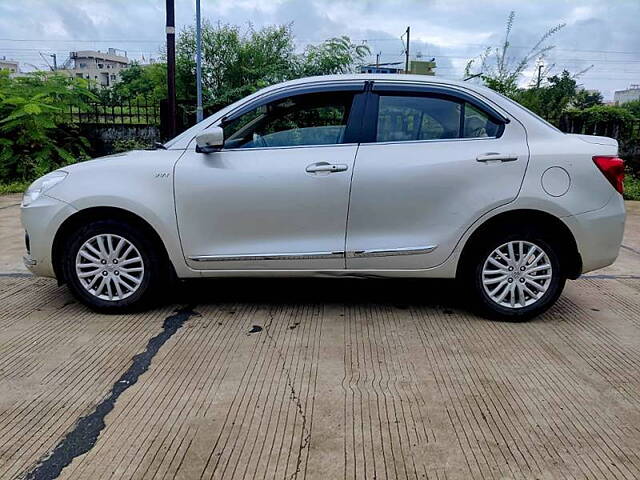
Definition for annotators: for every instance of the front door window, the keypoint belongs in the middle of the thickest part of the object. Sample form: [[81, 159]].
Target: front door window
[[313, 119]]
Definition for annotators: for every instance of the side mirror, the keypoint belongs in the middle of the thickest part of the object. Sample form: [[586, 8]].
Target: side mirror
[[210, 141]]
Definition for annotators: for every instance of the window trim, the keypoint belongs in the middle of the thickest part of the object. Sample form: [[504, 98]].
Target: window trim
[[391, 89], [352, 127]]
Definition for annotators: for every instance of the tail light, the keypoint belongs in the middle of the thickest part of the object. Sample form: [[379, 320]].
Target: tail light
[[613, 169]]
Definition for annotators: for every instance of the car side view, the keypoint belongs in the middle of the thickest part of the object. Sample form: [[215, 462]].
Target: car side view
[[347, 175]]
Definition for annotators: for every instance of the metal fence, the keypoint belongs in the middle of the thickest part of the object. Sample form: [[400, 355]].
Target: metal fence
[[130, 112]]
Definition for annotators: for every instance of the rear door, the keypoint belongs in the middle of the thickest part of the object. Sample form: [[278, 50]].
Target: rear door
[[436, 160]]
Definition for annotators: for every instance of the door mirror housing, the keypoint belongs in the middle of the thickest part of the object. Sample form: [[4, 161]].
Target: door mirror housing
[[210, 140]]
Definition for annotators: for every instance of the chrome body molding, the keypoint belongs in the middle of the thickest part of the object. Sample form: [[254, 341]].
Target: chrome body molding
[[269, 256], [388, 252], [316, 255]]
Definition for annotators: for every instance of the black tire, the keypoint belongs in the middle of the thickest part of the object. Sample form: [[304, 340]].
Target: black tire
[[154, 279], [472, 275]]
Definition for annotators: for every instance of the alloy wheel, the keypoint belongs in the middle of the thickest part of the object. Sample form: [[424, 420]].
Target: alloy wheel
[[109, 267], [517, 274]]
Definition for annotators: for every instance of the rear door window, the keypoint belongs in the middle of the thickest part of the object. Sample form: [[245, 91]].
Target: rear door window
[[407, 118], [404, 118]]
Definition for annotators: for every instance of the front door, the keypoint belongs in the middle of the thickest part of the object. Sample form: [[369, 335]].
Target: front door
[[276, 196], [436, 163]]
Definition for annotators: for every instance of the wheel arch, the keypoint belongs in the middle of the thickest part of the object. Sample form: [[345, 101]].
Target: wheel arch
[[529, 218], [86, 215]]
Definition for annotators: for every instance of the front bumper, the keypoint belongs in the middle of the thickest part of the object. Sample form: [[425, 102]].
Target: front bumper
[[599, 233], [41, 220]]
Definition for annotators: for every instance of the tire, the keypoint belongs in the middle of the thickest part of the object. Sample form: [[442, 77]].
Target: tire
[[132, 272], [483, 276]]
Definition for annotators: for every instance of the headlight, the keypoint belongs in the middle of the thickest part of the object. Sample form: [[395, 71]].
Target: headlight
[[42, 185]]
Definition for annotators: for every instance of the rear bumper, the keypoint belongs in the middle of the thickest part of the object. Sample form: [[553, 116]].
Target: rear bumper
[[41, 220], [598, 233]]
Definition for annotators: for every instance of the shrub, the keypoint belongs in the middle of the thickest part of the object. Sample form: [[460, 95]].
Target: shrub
[[35, 136]]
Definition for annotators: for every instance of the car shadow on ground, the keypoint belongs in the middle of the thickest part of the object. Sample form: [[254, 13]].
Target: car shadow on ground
[[401, 293]]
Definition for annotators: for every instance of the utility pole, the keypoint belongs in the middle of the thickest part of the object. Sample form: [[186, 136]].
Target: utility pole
[[539, 76], [406, 51], [55, 61], [377, 60], [171, 68], [199, 111]]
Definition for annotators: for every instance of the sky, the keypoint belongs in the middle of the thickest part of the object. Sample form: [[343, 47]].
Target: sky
[[602, 33]]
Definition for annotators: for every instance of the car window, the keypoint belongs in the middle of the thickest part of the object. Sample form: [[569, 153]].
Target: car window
[[405, 118], [312, 119], [478, 124]]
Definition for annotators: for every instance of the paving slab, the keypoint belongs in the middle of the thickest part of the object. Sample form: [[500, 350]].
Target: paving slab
[[380, 380]]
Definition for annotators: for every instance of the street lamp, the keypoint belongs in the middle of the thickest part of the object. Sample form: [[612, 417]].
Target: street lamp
[[199, 111]]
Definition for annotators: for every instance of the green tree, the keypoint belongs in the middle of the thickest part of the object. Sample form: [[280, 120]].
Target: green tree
[[586, 99], [142, 81], [497, 68], [550, 100], [333, 56], [633, 107], [234, 64], [34, 135]]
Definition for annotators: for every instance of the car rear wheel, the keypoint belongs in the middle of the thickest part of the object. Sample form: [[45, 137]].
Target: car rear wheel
[[111, 266], [515, 276]]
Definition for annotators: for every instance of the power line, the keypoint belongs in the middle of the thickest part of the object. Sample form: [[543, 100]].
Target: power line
[[77, 41], [390, 39]]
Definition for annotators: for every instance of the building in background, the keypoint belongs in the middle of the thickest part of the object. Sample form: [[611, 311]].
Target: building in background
[[382, 68], [416, 67], [629, 95], [101, 68], [421, 67], [12, 65]]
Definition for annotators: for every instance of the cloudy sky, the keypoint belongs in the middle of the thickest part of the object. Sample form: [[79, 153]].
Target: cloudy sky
[[602, 33]]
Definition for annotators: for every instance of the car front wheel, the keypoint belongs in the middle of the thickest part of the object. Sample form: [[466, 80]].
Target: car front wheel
[[515, 277], [111, 266]]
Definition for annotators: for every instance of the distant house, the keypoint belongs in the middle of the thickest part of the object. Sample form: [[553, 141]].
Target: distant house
[[420, 67], [381, 68], [12, 65], [100, 67], [628, 95], [416, 67]]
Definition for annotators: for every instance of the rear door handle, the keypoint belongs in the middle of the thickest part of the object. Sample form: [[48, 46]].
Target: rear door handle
[[324, 167], [497, 157]]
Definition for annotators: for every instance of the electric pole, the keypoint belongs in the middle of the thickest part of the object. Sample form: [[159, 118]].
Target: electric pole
[[406, 51], [199, 111], [171, 68], [539, 76], [377, 60], [55, 61]]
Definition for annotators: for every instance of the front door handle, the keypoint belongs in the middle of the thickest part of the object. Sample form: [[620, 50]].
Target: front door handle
[[497, 157], [324, 167]]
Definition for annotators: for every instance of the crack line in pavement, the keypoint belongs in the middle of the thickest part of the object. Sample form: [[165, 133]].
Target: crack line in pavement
[[85, 434], [306, 434], [15, 275]]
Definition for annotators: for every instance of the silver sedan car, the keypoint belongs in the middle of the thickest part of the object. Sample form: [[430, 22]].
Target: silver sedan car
[[358, 175]]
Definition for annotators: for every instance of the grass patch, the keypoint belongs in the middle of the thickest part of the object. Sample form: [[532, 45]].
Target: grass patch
[[13, 187], [631, 187]]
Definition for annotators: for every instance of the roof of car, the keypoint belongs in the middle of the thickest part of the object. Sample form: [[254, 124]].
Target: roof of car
[[394, 77]]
